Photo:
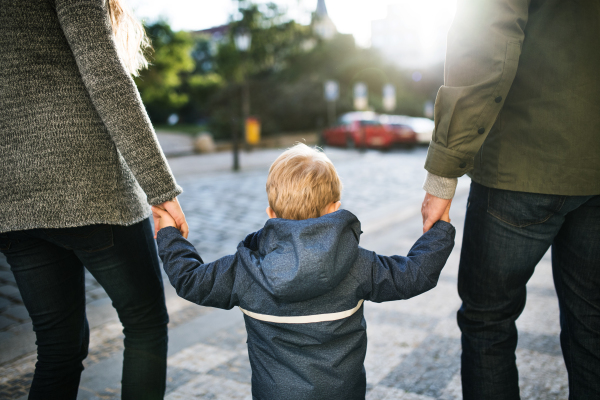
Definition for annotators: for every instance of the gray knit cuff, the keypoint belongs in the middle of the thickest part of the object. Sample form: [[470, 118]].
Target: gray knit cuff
[[154, 201], [439, 186]]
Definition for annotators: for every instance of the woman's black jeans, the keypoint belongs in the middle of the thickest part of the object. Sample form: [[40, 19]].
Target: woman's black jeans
[[506, 234], [48, 267]]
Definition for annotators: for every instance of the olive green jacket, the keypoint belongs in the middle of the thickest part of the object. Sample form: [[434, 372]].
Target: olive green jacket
[[520, 105]]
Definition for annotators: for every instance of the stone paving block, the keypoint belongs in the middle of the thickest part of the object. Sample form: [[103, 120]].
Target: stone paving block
[[17, 312], [105, 394], [453, 390], [200, 358], [547, 344], [428, 369], [237, 369], [540, 316], [6, 322], [11, 292], [211, 387], [385, 313], [15, 342], [232, 339], [15, 388], [441, 301], [387, 393], [387, 346], [447, 327], [12, 392], [102, 379], [7, 276], [3, 263], [4, 302], [95, 294], [542, 376], [177, 377]]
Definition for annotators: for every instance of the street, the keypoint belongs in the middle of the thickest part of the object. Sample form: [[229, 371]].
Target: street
[[414, 345]]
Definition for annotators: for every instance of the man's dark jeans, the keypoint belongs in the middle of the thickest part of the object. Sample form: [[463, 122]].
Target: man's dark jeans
[[506, 234], [48, 267]]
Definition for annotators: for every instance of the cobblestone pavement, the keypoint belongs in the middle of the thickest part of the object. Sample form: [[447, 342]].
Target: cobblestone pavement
[[414, 345]]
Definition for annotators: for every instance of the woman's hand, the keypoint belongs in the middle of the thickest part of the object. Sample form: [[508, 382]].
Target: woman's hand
[[175, 212], [164, 218]]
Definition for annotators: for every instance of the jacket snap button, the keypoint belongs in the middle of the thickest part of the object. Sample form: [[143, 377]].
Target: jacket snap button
[[462, 164], [498, 99], [481, 130]]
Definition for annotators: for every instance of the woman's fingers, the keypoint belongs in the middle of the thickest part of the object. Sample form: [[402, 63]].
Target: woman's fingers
[[174, 209]]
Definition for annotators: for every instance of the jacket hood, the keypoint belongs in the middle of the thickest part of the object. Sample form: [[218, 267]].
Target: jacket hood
[[299, 260]]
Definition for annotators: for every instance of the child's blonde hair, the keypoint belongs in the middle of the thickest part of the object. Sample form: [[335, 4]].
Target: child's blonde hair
[[302, 182]]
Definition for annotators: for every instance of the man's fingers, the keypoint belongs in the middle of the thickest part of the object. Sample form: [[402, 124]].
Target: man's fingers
[[184, 230], [427, 225], [449, 205], [433, 209]]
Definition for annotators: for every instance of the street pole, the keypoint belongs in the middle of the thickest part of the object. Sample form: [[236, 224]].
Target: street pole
[[331, 112], [245, 105], [246, 100], [241, 127], [242, 41]]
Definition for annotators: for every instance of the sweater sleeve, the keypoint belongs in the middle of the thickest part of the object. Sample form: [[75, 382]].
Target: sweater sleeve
[[87, 28], [484, 46], [207, 284], [398, 277]]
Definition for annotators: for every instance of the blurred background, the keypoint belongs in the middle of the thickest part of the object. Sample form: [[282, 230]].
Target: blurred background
[[295, 66]]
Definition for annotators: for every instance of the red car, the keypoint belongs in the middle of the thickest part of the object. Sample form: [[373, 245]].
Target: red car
[[364, 129], [411, 130]]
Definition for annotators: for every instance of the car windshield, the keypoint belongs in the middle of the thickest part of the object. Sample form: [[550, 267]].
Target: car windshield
[[370, 123]]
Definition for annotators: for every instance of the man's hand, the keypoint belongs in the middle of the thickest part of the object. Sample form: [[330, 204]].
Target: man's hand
[[176, 213], [433, 210]]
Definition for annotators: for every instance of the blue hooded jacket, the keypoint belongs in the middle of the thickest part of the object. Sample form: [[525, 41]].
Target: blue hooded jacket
[[309, 270]]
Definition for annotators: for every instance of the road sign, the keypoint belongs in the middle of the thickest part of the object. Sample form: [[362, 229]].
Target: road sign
[[332, 91], [360, 96], [389, 97]]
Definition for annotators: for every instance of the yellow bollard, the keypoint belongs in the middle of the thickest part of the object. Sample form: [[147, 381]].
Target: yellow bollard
[[252, 131]]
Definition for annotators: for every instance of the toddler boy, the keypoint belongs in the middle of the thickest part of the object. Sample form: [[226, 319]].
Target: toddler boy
[[301, 281]]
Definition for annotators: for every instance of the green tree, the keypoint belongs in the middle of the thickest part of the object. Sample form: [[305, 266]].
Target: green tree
[[285, 67], [161, 85]]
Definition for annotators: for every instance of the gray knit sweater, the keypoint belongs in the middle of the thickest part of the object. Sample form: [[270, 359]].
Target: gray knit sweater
[[76, 144]]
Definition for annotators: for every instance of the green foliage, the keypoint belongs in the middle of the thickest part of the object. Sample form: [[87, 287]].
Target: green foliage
[[285, 67], [160, 85]]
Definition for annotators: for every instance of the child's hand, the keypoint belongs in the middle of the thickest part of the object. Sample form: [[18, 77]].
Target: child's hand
[[164, 218], [446, 215]]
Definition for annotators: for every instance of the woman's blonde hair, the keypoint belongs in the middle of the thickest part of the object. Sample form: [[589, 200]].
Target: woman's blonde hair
[[130, 36], [301, 183]]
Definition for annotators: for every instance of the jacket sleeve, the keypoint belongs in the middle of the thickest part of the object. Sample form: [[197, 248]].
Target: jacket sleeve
[[398, 277], [483, 49], [87, 28], [211, 284]]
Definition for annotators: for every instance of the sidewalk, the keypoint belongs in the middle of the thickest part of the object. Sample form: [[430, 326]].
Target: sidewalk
[[414, 345]]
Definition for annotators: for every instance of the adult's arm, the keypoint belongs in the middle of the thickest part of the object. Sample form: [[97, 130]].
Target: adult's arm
[[87, 28], [483, 49]]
